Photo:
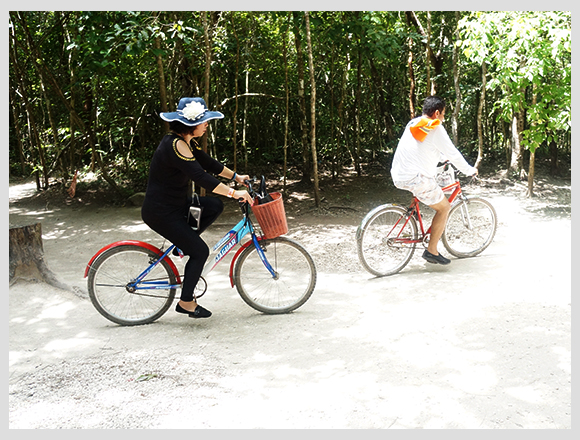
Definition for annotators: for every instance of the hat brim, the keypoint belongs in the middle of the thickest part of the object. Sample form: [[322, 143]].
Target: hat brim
[[175, 116]]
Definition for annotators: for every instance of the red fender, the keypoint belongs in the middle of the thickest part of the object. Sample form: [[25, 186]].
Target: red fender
[[235, 257], [139, 244]]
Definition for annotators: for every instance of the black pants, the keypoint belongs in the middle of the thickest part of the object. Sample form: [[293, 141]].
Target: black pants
[[174, 227]]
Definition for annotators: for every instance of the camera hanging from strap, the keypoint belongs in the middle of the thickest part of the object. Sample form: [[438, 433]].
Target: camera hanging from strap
[[195, 211]]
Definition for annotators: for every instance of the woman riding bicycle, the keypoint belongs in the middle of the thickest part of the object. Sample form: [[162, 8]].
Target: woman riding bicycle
[[177, 161]]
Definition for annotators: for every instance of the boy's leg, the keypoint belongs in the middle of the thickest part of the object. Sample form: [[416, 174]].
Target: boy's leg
[[438, 224]]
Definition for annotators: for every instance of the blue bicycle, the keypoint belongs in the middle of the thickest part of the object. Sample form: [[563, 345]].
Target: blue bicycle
[[133, 282]]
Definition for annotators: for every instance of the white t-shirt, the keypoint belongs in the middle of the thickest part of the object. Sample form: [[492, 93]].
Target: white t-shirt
[[413, 157]]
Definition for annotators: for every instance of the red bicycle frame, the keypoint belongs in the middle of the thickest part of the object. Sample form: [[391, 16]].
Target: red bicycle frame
[[413, 209]]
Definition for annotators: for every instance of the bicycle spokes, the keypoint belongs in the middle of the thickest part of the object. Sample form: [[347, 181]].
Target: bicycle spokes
[[386, 240]]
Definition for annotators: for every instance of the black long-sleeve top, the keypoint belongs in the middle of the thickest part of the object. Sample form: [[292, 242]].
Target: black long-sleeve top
[[170, 173]]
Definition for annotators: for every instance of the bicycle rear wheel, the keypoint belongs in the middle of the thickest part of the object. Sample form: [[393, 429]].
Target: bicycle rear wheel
[[386, 240], [470, 227], [110, 293], [294, 282]]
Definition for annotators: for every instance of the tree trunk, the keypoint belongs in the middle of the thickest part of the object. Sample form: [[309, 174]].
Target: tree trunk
[[382, 102], [207, 72], [455, 117], [356, 113], [54, 129], [72, 64], [287, 114], [430, 84], [235, 115], [306, 175], [312, 112], [516, 164], [480, 116], [248, 47], [332, 100], [17, 130], [341, 105], [435, 59], [531, 173], [553, 157], [532, 147], [411, 82], [26, 256], [245, 123], [162, 86]]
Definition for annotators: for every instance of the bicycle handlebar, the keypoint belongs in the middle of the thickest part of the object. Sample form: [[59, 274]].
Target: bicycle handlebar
[[446, 164], [241, 201], [249, 183]]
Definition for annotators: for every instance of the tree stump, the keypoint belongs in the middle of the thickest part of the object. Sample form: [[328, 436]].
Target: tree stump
[[26, 256]]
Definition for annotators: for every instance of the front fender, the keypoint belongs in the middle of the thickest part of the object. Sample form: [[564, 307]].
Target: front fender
[[133, 243]]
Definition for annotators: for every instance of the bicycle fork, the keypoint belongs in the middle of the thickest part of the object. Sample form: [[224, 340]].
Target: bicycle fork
[[262, 254], [465, 215]]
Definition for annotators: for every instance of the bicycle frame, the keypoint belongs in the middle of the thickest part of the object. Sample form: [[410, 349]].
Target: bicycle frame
[[413, 209], [218, 253]]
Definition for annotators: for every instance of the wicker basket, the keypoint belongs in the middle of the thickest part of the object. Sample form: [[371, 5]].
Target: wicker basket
[[271, 216]]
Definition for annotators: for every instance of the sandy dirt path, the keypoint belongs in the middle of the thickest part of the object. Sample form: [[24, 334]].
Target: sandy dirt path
[[481, 343]]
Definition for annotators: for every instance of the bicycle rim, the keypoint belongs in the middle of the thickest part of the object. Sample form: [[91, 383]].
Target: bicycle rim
[[108, 279], [470, 227], [385, 243], [291, 288]]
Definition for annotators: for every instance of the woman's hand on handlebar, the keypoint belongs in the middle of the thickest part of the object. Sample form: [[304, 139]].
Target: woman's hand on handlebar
[[243, 196], [241, 179]]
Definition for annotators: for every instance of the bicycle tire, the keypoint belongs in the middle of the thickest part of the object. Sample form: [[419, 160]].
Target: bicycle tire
[[377, 249], [109, 276], [295, 281], [470, 228]]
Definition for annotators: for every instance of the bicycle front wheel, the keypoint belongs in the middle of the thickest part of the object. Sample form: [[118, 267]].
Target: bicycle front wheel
[[386, 240], [289, 289], [112, 295], [470, 227]]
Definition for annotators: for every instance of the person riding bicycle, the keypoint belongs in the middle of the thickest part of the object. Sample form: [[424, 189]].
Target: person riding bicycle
[[177, 161], [414, 167]]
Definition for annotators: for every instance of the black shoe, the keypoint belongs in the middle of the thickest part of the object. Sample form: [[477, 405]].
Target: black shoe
[[199, 312], [435, 259]]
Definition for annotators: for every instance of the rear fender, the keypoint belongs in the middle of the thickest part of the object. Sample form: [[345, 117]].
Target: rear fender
[[138, 244]]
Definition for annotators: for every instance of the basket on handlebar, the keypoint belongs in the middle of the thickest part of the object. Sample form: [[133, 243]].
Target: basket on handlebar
[[445, 175], [271, 216]]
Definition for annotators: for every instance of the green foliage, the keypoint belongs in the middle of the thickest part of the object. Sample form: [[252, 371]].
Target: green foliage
[[527, 53], [105, 65]]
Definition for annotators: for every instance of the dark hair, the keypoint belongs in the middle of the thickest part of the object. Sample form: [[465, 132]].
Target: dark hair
[[179, 128], [432, 104]]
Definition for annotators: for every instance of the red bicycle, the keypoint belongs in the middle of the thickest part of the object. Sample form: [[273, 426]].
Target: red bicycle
[[388, 235]]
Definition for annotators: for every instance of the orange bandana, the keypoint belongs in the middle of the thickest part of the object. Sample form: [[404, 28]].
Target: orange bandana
[[422, 128]]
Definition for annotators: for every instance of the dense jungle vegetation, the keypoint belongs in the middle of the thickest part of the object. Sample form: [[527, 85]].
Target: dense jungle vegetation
[[303, 93]]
